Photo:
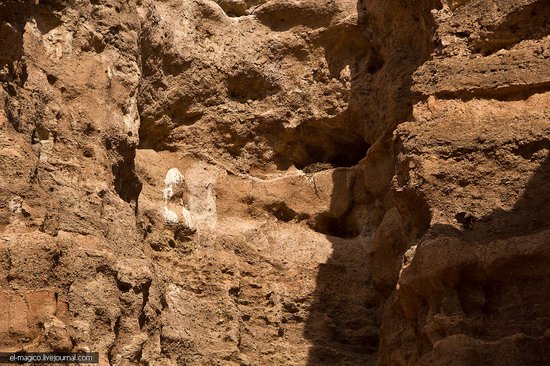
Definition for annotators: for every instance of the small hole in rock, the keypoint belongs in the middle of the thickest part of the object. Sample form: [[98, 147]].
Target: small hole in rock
[[234, 291], [51, 79], [124, 287], [338, 227], [88, 152]]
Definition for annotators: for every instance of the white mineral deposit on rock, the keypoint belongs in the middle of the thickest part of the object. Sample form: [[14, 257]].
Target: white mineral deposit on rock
[[173, 184], [170, 216], [173, 179], [189, 221]]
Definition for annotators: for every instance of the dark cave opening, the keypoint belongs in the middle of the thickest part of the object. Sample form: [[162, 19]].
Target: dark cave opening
[[346, 154], [333, 148]]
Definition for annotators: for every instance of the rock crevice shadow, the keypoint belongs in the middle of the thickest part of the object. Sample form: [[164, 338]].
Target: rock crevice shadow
[[354, 284]]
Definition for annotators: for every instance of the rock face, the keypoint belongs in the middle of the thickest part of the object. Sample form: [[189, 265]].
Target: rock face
[[471, 289], [251, 182]]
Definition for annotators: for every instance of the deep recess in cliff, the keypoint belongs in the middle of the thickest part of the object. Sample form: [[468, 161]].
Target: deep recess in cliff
[[276, 182]]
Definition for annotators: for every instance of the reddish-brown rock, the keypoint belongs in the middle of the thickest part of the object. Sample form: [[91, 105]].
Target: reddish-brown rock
[[276, 182]]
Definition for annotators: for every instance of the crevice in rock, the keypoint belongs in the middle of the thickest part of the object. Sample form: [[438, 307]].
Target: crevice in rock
[[384, 95], [13, 17], [116, 330], [508, 93], [126, 183], [527, 150], [142, 314]]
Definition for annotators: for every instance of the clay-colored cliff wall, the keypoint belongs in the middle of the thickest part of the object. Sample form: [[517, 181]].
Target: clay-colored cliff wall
[[280, 182]]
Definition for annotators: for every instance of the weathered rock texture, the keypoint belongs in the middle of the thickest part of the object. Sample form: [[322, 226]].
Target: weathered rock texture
[[250, 182], [472, 290]]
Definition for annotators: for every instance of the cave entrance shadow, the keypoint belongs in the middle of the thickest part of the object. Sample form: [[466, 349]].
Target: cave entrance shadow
[[346, 311]]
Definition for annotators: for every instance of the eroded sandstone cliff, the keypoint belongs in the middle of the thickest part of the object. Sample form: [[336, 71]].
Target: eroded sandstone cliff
[[251, 182]]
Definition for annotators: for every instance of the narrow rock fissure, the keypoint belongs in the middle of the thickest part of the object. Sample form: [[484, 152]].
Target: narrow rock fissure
[[127, 184], [352, 327]]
